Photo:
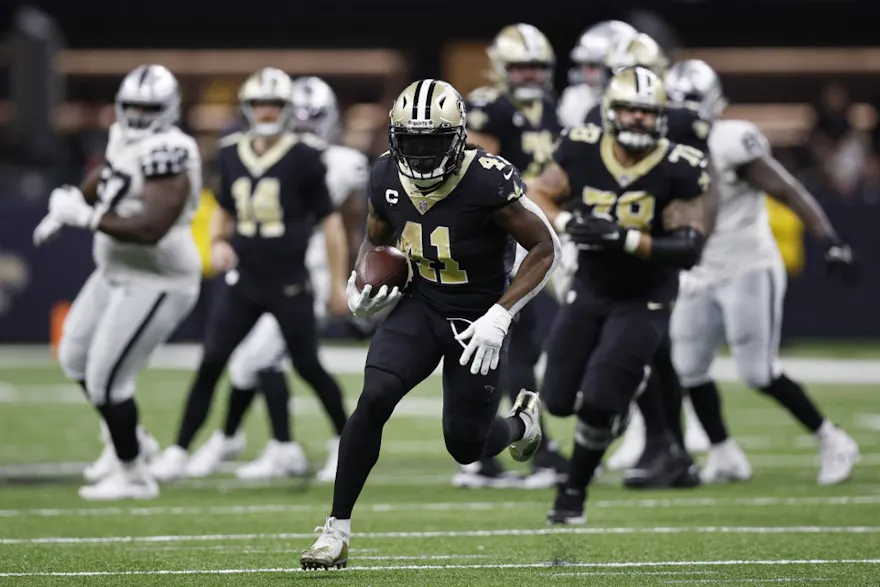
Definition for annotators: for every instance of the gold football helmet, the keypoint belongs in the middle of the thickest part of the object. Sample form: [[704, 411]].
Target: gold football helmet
[[634, 108], [267, 87], [426, 134], [522, 62], [640, 50]]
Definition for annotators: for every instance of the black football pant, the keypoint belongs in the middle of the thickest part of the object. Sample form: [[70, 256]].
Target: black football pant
[[405, 350], [235, 312], [598, 359], [661, 402]]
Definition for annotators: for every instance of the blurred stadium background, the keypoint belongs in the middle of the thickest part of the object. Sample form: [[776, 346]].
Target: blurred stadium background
[[806, 72]]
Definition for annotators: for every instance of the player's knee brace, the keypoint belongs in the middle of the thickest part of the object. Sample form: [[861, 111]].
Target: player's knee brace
[[72, 358], [596, 428], [381, 394]]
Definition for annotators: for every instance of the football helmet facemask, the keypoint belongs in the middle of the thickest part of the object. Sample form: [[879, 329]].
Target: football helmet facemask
[[634, 108], [522, 62], [315, 109], [427, 131], [267, 87], [695, 85], [148, 101]]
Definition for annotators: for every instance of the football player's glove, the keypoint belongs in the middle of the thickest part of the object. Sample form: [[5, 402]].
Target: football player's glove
[[46, 230], [362, 304], [486, 336], [68, 206], [597, 233], [840, 262]]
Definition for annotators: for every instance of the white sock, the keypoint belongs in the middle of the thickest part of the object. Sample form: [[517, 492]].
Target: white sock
[[343, 526], [825, 430]]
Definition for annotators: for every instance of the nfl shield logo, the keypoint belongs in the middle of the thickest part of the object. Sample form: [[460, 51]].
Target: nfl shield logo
[[423, 206]]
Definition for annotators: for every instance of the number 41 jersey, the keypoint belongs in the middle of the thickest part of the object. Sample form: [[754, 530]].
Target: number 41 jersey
[[460, 257], [277, 199], [635, 197]]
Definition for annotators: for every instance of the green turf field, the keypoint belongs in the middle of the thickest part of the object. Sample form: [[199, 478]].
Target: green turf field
[[411, 526]]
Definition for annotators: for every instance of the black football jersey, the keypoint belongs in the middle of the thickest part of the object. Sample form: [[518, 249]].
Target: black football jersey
[[277, 199], [526, 133], [460, 258], [635, 197], [685, 126]]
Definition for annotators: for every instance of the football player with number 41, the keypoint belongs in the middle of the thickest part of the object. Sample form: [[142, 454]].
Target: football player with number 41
[[139, 205], [457, 210]]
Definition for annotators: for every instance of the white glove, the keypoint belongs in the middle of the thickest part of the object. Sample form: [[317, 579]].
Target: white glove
[[46, 230], [690, 284], [487, 335], [362, 305], [68, 206]]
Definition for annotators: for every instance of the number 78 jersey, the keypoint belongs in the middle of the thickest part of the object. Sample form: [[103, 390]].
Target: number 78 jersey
[[635, 197], [460, 257]]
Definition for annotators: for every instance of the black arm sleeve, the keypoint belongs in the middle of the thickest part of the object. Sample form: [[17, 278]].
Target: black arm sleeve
[[681, 248]]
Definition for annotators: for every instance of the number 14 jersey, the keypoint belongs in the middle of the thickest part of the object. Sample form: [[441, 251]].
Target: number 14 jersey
[[460, 257], [635, 197]]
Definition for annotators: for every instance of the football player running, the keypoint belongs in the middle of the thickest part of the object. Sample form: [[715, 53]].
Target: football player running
[[273, 194], [139, 205], [589, 76], [456, 209], [639, 219], [258, 360], [745, 276], [655, 429], [516, 119]]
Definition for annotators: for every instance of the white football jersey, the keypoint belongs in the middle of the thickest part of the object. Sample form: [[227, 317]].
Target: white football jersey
[[742, 240], [174, 261], [574, 104], [347, 172]]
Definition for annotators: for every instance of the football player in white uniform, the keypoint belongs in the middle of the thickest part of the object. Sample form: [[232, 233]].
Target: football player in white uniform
[[589, 75], [745, 283], [261, 354], [148, 267]]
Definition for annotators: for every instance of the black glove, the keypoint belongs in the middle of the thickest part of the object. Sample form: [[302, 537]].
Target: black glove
[[596, 233], [840, 262]]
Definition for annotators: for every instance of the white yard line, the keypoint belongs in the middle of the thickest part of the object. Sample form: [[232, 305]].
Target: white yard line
[[238, 510], [748, 580], [350, 360], [452, 534], [636, 564]]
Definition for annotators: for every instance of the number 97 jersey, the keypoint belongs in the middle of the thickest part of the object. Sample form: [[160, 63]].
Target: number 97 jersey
[[460, 257], [635, 197]]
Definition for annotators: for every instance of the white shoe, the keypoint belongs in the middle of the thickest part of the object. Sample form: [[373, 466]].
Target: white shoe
[[328, 473], [838, 453], [210, 455], [170, 465], [329, 550], [627, 454], [279, 459], [473, 476], [695, 438], [128, 481], [107, 463], [726, 462], [527, 407]]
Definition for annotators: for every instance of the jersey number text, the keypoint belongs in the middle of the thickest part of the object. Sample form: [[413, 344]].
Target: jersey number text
[[411, 243], [632, 209], [258, 208]]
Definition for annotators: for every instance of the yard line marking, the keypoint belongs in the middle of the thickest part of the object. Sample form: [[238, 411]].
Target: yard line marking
[[455, 534], [638, 564], [441, 506]]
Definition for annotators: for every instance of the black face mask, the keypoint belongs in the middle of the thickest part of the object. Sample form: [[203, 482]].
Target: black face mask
[[424, 152]]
